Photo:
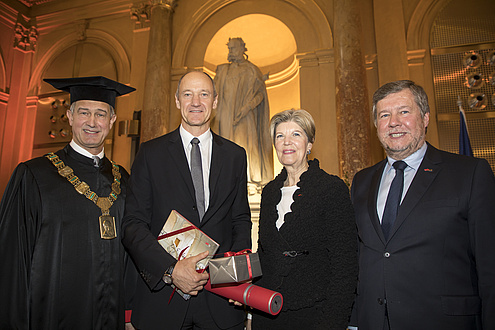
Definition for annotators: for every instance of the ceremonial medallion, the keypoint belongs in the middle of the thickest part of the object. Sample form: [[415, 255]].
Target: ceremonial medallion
[[82, 187], [107, 222], [103, 203], [107, 227], [65, 171]]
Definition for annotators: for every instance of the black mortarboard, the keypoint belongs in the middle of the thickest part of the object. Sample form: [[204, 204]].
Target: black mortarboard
[[91, 88]]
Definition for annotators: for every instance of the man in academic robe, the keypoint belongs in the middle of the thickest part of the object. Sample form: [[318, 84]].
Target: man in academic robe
[[162, 180], [426, 226], [61, 259]]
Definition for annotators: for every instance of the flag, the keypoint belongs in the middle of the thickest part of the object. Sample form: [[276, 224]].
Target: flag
[[464, 143]]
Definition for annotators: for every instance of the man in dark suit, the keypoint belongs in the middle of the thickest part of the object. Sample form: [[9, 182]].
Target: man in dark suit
[[162, 181], [428, 263]]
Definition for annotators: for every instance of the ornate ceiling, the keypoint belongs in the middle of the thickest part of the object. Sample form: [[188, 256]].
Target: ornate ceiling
[[30, 3]]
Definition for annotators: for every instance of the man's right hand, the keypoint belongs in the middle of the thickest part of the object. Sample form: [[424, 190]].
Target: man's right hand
[[185, 276]]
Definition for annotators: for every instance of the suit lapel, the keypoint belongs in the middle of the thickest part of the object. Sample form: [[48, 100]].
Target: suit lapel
[[178, 156], [425, 175], [373, 197], [215, 173]]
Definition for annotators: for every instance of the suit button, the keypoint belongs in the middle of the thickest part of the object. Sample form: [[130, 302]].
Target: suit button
[[381, 301], [195, 208], [386, 254]]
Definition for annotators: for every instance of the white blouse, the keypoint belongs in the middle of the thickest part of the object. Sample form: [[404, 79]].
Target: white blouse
[[283, 206]]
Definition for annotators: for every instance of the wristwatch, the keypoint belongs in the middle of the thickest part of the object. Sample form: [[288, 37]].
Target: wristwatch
[[167, 277]]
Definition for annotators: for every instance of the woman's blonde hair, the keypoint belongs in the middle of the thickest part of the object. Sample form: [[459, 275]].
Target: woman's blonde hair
[[300, 117]]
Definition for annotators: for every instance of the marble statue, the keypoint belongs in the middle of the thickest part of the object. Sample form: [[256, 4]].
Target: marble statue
[[243, 113]]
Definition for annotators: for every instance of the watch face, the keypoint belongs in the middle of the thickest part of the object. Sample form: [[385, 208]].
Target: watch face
[[167, 279]]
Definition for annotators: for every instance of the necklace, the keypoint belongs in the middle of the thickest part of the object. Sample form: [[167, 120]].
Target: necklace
[[107, 222]]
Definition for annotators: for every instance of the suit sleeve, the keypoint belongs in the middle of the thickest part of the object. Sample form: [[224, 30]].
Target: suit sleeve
[[20, 220], [354, 314], [343, 255], [481, 216], [149, 257], [241, 216]]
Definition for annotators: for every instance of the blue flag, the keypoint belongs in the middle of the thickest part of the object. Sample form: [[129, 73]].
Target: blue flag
[[464, 143]]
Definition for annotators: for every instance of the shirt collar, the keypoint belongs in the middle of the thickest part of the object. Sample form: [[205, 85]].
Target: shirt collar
[[187, 137], [84, 152], [413, 160]]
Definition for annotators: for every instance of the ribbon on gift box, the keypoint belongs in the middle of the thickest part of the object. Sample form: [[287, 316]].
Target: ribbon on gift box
[[176, 232], [172, 233], [230, 253], [246, 252]]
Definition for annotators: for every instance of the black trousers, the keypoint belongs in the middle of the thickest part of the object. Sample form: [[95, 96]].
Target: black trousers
[[198, 316]]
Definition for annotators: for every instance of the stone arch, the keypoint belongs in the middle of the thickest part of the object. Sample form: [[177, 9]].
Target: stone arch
[[98, 37], [298, 17], [3, 77], [418, 31]]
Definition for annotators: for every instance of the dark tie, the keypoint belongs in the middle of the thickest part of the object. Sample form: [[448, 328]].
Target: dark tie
[[96, 161], [393, 198], [197, 177]]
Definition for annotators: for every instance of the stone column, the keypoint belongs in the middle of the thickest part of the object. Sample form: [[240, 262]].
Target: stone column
[[391, 47], [353, 110], [156, 101], [18, 135], [317, 78]]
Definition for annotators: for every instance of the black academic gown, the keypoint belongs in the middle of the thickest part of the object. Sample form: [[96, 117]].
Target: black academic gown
[[56, 271]]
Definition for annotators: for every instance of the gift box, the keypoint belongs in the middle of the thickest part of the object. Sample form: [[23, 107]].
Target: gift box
[[181, 239], [236, 268]]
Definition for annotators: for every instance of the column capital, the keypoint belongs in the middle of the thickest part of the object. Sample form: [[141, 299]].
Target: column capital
[[26, 36], [168, 4], [141, 13]]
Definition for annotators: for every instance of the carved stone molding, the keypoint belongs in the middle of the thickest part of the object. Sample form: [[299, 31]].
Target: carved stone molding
[[141, 13], [81, 27], [169, 4], [416, 57], [30, 3], [316, 58], [370, 61], [25, 37]]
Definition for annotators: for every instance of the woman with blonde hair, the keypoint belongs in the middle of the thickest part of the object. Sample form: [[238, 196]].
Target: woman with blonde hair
[[307, 237]]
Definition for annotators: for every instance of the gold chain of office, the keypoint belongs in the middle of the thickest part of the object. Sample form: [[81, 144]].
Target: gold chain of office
[[104, 203]]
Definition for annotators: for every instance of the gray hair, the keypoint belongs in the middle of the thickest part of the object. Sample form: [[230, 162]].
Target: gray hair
[[420, 96], [73, 106]]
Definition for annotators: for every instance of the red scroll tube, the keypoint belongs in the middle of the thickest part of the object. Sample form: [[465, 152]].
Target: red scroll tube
[[251, 295]]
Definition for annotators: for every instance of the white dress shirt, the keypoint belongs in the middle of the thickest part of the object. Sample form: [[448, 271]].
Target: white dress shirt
[[413, 162], [84, 152], [205, 146]]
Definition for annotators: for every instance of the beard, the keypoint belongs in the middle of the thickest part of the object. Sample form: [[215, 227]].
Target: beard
[[404, 151], [232, 58]]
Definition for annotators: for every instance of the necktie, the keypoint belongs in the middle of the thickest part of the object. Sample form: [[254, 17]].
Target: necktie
[[393, 198], [197, 177], [96, 161]]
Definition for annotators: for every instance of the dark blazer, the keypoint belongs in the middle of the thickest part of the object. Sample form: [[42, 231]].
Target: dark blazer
[[161, 182], [321, 223], [437, 270]]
